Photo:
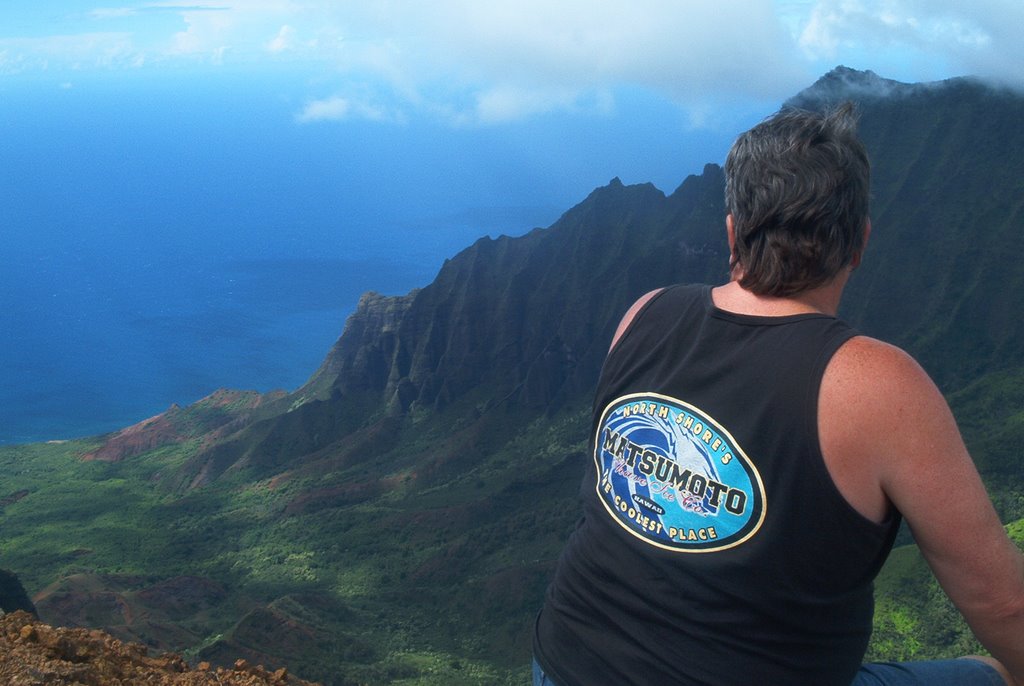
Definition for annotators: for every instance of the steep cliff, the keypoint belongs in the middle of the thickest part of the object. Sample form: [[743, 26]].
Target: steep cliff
[[528, 318]]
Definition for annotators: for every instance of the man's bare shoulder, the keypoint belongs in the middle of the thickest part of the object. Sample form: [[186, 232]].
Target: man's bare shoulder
[[875, 409], [869, 369], [865, 352], [869, 383]]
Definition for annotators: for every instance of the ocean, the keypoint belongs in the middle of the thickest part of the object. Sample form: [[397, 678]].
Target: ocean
[[95, 344]]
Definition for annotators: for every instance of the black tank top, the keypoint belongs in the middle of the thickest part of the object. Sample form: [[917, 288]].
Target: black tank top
[[714, 547]]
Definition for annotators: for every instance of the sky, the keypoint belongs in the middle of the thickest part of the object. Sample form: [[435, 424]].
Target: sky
[[478, 63], [471, 69], [194, 195]]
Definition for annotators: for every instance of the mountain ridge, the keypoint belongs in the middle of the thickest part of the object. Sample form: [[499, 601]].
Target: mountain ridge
[[843, 83]]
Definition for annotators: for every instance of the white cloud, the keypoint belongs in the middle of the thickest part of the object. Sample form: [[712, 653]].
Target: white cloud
[[468, 61], [8, 64], [334, 108], [206, 33], [678, 47], [112, 12], [79, 51], [493, 62], [283, 40], [506, 103], [980, 38], [339, 108]]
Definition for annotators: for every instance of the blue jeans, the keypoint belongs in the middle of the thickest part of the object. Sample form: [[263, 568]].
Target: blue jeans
[[939, 672], [922, 673], [539, 677]]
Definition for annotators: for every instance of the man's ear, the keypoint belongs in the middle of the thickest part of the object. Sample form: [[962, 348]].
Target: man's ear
[[867, 234], [730, 233]]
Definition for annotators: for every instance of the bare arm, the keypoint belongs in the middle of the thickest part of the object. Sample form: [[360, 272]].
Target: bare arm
[[889, 436]]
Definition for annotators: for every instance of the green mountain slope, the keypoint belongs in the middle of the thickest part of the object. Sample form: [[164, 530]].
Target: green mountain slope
[[396, 519]]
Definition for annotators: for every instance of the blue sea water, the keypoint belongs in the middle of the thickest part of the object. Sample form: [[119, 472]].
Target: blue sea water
[[107, 344], [163, 240]]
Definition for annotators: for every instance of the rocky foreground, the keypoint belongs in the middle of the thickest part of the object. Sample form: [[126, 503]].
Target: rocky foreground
[[33, 653]]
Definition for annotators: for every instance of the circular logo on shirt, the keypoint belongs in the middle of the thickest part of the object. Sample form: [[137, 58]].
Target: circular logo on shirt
[[670, 475]]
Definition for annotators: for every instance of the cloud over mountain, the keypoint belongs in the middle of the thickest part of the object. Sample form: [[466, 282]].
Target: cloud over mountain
[[469, 62]]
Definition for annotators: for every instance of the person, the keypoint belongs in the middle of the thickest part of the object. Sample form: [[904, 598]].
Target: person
[[753, 455]]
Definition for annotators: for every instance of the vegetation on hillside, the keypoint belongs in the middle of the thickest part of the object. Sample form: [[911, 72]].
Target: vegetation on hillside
[[432, 580]]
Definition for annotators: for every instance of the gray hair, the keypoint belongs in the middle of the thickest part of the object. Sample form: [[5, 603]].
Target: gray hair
[[797, 187]]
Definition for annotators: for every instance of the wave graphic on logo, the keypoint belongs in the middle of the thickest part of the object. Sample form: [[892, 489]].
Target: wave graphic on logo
[[672, 476]]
